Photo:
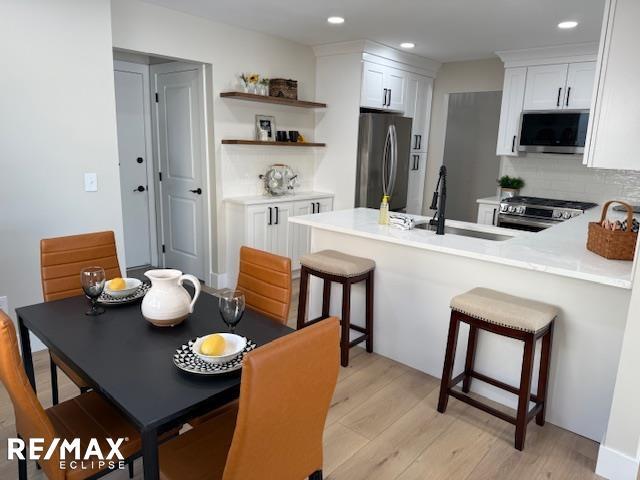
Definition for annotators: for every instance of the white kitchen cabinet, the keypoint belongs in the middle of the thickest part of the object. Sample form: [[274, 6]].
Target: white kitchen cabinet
[[545, 87], [615, 122], [265, 225], [383, 87], [580, 80], [418, 107], [512, 102], [488, 213], [415, 189]]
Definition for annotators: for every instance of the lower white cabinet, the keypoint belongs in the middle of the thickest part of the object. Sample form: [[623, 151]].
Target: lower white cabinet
[[415, 188], [488, 213], [265, 226]]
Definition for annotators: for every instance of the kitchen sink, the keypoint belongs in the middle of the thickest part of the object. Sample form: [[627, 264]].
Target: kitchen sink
[[465, 232]]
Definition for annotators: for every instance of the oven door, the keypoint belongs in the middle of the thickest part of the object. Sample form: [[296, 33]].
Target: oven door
[[553, 131], [528, 224]]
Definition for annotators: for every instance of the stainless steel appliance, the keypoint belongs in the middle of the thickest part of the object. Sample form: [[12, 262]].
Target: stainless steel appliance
[[553, 131], [384, 146], [534, 214]]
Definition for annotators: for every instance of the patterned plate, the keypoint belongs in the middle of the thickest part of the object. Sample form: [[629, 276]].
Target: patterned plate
[[186, 360], [106, 299]]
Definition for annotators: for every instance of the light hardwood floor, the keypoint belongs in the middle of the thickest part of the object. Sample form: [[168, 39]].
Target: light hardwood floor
[[383, 424]]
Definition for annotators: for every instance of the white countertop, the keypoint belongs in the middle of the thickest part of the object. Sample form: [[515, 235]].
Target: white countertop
[[258, 199], [489, 200], [559, 250]]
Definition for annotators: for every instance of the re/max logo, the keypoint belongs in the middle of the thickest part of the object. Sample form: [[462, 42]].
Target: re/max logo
[[18, 448]]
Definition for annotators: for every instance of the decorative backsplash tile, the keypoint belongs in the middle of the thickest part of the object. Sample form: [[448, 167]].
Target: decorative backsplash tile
[[565, 177]]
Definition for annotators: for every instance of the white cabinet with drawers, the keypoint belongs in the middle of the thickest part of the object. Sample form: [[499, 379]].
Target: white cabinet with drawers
[[262, 222]]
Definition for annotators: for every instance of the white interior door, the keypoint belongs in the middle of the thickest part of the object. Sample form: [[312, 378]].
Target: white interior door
[[180, 134], [132, 113]]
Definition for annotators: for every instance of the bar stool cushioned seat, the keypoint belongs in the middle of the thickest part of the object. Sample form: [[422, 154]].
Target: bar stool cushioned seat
[[505, 310], [337, 263]]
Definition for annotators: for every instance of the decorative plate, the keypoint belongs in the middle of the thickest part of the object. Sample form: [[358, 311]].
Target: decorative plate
[[186, 360], [106, 299]]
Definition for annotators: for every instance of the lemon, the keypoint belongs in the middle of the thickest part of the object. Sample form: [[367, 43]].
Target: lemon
[[117, 284], [213, 345]]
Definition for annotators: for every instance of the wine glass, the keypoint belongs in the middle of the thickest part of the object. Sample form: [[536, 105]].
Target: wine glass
[[231, 306], [93, 280]]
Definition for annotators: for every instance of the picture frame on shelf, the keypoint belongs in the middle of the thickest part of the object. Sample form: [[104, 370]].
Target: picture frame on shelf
[[265, 128]]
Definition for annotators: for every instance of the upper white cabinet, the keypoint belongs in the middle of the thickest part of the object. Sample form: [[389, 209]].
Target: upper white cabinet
[[383, 87], [557, 87], [419, 95], [580, 79], [545, 87], [615, 121], [512, 101]]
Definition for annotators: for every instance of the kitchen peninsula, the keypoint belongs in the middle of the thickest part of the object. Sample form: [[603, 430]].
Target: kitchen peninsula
[[417, 273]]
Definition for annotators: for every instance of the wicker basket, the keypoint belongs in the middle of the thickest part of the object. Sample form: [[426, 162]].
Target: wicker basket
[[283, 88], [613, 244]]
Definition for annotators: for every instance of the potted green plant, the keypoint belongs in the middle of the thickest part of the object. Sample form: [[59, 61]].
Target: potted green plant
[[510, 186]]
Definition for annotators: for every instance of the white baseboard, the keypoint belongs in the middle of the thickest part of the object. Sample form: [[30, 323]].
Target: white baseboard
[[614, 465], [218, 280]]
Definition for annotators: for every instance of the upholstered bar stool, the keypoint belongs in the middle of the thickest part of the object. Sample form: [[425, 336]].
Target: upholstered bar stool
[[333, 266], [510, 316]]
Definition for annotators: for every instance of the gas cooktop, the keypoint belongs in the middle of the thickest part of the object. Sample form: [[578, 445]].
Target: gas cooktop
[[549, 202]]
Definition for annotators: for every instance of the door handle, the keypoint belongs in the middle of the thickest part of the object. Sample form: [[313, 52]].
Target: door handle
[[568, 94], [389, 102], [559, 93], [419, 142], [415, 142], [197, 190], [270, 220], [493, 219], [384, 97], [139, 160], [513, 144], [417, 162], [139, 188], [318, 207], [277, 214]]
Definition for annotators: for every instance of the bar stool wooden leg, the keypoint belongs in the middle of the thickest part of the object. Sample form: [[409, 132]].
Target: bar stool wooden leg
[[326, 298], [302, 299], [525, 390], [346, 322], [369, 312], [449, 358], [471, 358], [543, 376]]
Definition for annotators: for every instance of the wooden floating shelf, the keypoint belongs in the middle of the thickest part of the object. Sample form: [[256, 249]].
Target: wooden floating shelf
[[252, 97], [272, 144]]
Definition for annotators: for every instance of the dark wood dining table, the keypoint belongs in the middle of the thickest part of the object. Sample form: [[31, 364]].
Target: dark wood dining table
[[130, 361]]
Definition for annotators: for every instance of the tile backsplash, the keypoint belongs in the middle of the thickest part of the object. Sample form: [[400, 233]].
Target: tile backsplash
[[565, 177]]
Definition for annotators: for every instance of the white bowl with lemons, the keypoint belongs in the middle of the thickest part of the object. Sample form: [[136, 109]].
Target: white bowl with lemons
[[219, 348], [122, 287]]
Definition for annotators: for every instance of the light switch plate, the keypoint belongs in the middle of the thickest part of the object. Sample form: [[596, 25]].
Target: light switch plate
[[4, 304], [90, 182]]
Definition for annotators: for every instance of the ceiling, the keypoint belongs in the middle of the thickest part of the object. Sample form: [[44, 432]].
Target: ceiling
[[444, 30]]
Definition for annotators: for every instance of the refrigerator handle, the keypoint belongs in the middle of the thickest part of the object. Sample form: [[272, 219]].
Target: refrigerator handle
[[393, 157], [385, 161]]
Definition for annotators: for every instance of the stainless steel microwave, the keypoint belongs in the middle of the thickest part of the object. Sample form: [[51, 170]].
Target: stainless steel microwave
[[553, 131]]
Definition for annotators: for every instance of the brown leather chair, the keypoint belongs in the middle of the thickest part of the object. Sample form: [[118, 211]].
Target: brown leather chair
[[285, 394], [265, 280], [61, 260], [85, 416]]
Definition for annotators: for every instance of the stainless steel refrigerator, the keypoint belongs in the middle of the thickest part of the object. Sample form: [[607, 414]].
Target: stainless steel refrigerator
[[384, 147]]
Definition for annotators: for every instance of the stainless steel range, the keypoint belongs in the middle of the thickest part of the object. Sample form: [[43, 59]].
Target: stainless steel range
[[534, 214]]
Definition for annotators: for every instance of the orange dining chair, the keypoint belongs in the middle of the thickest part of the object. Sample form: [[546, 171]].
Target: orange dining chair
[[276, 428], [265, 280], [61, 260], [85, 416]]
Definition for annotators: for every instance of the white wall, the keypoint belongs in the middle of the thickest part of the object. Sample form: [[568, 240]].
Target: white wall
[[336, 164], [150, 29], [456, 77], [57, 122], [565, 177]]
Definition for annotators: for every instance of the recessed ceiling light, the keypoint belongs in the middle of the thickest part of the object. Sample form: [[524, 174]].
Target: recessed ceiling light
[[407, 45], [568, 24], [335, 20]]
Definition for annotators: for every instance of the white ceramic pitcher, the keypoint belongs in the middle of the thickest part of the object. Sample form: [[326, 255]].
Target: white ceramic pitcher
[[167, 303]]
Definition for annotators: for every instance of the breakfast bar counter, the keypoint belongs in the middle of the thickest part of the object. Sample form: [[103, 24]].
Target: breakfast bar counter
[[418, 272]]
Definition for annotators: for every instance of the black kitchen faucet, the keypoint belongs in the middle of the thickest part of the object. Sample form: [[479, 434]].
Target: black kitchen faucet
[[439, 202]]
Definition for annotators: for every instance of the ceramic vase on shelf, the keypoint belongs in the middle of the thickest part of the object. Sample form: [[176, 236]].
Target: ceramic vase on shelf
[[253, 88], [167, 303]]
